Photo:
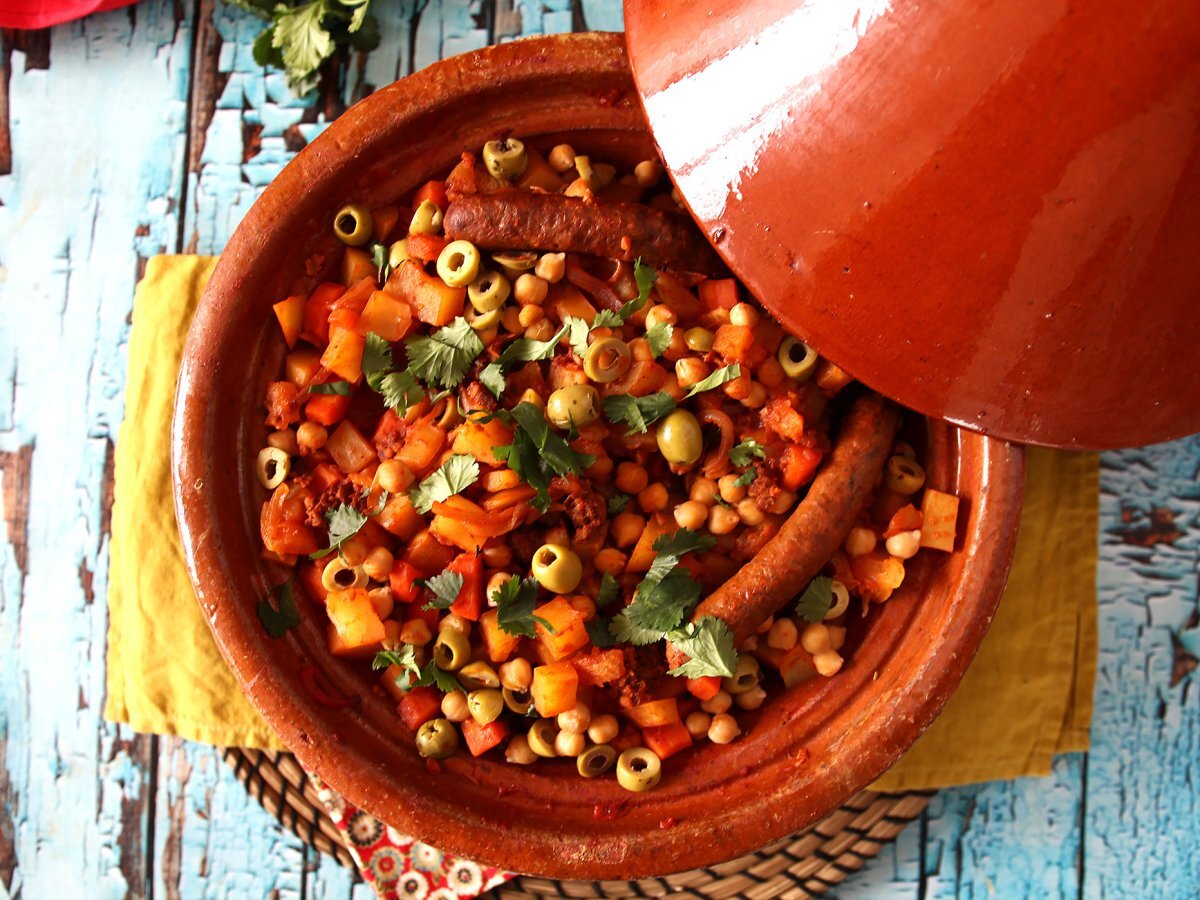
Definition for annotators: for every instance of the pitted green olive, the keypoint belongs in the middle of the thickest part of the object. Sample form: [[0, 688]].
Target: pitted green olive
[[679, 438], [745, 676], [519, 702], [638, 769], [488, 291], [339, 575], [353, 225], [458, 263], [557, 568], [903, 475], [607, 360], [595, 760], [451, 650], [574, 405], [437, 739], [478, 675], [797, 359], [506, 158], [541, 737], [485, 705]]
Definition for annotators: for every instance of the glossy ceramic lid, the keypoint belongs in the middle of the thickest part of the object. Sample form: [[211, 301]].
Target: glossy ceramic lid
[[988, 211]]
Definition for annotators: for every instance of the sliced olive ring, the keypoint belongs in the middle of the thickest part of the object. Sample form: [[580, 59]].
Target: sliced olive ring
[[505, 159], [514, 262], [485, 705], [427, 218], [353, 225], [797, 359], [607, 360], [451, 650], [458, 263], [398, 252], [903, 475], [745, 676], [482, 321], [596, 760], [541, 737], [488, 291], [272, 467], [338, 575], [519, 702], [437, 739], [638, 769], [478, 675], [841, 600]]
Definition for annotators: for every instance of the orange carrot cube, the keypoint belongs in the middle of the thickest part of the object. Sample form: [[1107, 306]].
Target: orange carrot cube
[[554, 688]]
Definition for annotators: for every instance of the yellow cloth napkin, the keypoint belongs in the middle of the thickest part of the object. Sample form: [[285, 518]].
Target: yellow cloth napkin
[[1027, 696]]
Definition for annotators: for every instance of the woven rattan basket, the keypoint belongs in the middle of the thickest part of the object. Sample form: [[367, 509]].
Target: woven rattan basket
[[804, 865]]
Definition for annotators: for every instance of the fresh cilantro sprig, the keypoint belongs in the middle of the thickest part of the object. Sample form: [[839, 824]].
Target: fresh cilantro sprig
[[715, 380], [747, 478], [400, 391], [515, 601], [452, 477], [277, 620], [638, 412], [709, 646], [405, 658], [376, 360], [342, 388], [415, 675], [816, 600], [746, 452], [578, 329], [658, 337], [617, 503], [666, 594], [444, 357], [380, 258], [520, 350], [445, 588], [537, 453], [344, 523]]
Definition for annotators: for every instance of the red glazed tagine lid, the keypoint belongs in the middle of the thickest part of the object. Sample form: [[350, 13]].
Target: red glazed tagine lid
[[988, 212]]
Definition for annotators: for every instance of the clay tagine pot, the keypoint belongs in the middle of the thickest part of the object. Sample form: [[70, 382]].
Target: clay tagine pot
[[805, 750]]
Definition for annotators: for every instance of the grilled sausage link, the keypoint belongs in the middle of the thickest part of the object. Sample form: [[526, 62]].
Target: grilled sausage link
[[520, 220], [815, 529]]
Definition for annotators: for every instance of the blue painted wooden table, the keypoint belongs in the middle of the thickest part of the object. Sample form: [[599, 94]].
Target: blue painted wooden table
[[151, 130]]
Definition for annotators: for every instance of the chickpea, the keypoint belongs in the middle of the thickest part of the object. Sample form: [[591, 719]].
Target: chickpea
[[530, 315], [378, 564], [722, 520], [860, 541], [749, 512], [394, 476], [311, 437], [382, 601], [653, 499], [757, 398], [354, 552], [837, 636], [561, 158], [691, 370], [632, 478], [497, 556], [904, 545], [815, 638], [739, 388], [557, 568], [626, 528], [647, 173], [603, 729], [551, 267], [584, 605], [575, 721], [691, 514], [540, 331], [415, 632], [568, 743], [783, 635], [731, 491], [496, 582], [610, 560], [723, 729], [704, 490], [455, 708], [751, 699], [770, 373], [783, 502], [743, 315], [828, 663], [765, 625], [718, 702], [516, 674], [660, 314], [639, 348], [530, 290], [284, 440], [697, 724], [518, 751]]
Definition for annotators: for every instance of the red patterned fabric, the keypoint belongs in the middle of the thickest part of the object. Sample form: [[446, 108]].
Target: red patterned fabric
[[400, 868], [30, 14]]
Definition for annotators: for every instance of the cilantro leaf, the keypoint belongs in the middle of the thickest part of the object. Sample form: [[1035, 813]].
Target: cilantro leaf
[[816, 600], [405, 658], [617, 502], [638, 412], [746, 452], [376, 360], [658, 336], [662, 605], [303, 40], [400, 391], [331, 387], [645, 278], [278, 621], [453, 476], [627, 632], [515, 600], [344, 523], [379, 252], [709, 644], [609, 590], [747, 478], [599, 633], [536, 451], [444, 587], [520, 350], [715, 380], [439, 678], [444, 357], [670, 547], [577, 334]]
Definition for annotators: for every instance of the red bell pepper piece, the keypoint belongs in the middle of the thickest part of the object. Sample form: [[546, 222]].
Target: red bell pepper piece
[[316, 311], [705, 687], [432, 190], [482, 738], [403, 582], [420, 705], [718, 293], [469, 603], [327, 409]]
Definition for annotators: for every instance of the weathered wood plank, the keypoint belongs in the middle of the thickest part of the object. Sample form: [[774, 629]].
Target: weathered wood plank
[[87, 194]]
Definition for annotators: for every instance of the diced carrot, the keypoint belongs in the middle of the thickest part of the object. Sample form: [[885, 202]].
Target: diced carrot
[[324, 476], [428, 554], [327, 409], [435, 302], [451, 526], [316, 311], [797, 466], [429, 616], [392, 678], [423, 441], [349, 449], [358, 627], [290, 313], [643, 552], [353, 300], [385, 315], [469, 604], [538, 173], [655, 712], [356, 265], [564, 299], [500, 645], [342, 317], [877, 574], [906, 518], [344, 354], [301, 366], [499, 480], [384, 219], [402, 581], [482, 738], [419, 706], [718, 293], [501, 500], [426, 247], [795, 666], [432, 190], [676, 295], [554, 688], [600, 667], [310, 579], [667, 740], [734, 342], [705, 687], [399, 518], [282, 407], [282, 522], [480, 439], [570, 630], [940, 526]]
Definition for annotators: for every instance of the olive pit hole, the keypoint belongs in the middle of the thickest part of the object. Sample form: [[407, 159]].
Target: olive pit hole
[[347, 223], [345, 577], [637, 764]]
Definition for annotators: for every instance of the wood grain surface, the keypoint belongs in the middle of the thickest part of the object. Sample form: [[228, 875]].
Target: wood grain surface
[[151, 130]]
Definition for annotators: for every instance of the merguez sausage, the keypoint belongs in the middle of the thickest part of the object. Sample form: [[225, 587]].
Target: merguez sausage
[[813, 532], [557, 223]]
